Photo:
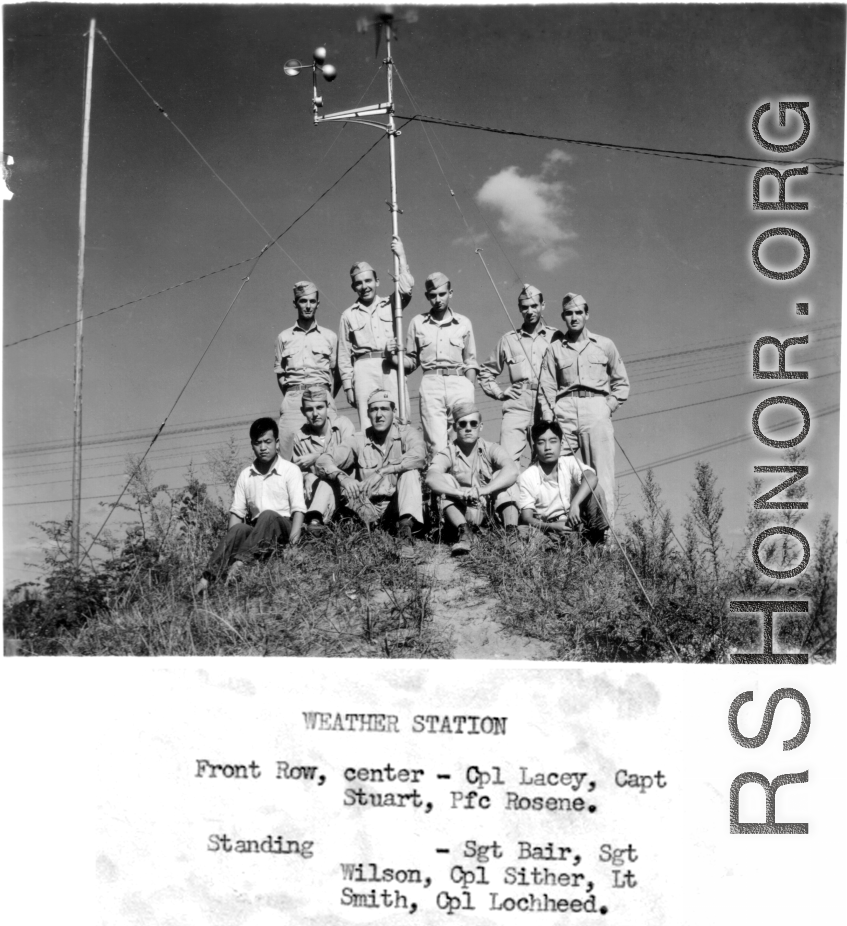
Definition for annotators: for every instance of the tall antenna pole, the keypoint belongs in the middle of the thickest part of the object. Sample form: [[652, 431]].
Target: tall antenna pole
[[398, 306], [76, 478]]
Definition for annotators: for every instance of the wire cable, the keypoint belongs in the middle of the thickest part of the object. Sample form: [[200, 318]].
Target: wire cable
[[823, 166]]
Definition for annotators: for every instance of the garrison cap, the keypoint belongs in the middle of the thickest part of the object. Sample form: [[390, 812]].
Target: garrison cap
[[573, 299], [530, 292], [379, 395], [315, 394], [361, 266], [304, 288], [460, 409], [435, 280]]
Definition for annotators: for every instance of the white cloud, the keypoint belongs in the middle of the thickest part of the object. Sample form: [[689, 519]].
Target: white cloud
[[533, 211]]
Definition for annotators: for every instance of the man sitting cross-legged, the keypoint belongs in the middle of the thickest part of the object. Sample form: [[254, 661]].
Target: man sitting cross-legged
[[558, 494], [378, 470], [469, 471], [267, 507], [315, 437]]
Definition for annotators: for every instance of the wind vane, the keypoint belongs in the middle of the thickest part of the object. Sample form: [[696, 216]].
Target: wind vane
[[365, 115]]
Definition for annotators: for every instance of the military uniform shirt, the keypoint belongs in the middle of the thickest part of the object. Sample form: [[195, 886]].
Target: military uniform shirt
[[305, 442], [448, 343], [593, 364], [361, 455], [306, 356], [511, 352], [475, 469], [366, 328]]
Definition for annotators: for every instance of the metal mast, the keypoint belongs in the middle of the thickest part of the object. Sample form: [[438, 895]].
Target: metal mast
[[76, 477], [362, 115]]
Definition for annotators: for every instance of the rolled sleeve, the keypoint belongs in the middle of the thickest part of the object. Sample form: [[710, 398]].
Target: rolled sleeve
[[412, 353], [335, 461], [441, 463], [527, 490], [469, 351], [414, 449], [296, 496], [490, 370], [239, 497], [548, 384], [618, 380]]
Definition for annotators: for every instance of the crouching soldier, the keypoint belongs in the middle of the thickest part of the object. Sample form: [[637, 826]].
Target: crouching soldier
[[558, 494], [267, 508], [378, 470], [318, 435], [470, 475]]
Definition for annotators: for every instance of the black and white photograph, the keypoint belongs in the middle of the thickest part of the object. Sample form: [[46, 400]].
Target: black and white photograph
[[486, 355], [420, 332]]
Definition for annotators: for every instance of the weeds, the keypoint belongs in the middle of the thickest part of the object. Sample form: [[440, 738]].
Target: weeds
[[588, 605], [349, 594]]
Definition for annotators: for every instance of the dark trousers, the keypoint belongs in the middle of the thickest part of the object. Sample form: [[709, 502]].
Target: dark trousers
[[247, 542], [593, 521]]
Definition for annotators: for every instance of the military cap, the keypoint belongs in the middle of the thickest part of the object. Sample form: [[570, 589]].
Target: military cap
[[361, 266], [460, 409], [573, 299], [379, 395], [530, 292], [315, 394], [435, 280], [304, 288]]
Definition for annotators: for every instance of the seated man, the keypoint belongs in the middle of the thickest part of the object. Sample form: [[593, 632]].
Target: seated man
[[267, 508], [378, 470], [315, 437], [469, 470], [558, 494]]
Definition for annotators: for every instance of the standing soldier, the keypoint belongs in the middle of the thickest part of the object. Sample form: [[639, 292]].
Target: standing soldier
[[583, 381], [306, 355], [522, 351], [365, 330], [441, 342]]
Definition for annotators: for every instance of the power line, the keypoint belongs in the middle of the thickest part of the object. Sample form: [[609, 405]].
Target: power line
[[197, 151], [220, 270], [823, 166]]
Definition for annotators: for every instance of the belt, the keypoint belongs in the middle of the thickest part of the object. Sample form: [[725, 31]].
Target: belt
[[299, 387], [525, 382], [443, 371], [369, 354], [584, 394]]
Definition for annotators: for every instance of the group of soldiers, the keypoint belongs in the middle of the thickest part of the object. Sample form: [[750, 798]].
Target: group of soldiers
[[312, 465]]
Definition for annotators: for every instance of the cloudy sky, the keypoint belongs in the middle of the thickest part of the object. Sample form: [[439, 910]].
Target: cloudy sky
[[659, 246]]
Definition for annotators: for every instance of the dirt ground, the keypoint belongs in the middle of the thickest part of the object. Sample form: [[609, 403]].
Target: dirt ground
[[463, 609]]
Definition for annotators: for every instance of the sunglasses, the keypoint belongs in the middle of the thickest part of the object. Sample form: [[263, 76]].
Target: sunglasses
[[467, 424]]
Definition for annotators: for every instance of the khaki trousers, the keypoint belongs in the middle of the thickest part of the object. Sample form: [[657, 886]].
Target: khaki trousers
[[587, 426], [437, 395], [370, 374], [518, 416]]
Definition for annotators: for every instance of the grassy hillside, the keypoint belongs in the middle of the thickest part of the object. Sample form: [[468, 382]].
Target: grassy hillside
[[654, 594]]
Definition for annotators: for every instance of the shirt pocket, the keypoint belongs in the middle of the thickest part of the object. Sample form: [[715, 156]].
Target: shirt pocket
[[287, 359], [457, 346], [596, 369], [359, 333], [567, 370]]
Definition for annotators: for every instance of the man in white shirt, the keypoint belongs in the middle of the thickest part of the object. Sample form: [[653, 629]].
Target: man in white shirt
[[558, 494], [267, 508]]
